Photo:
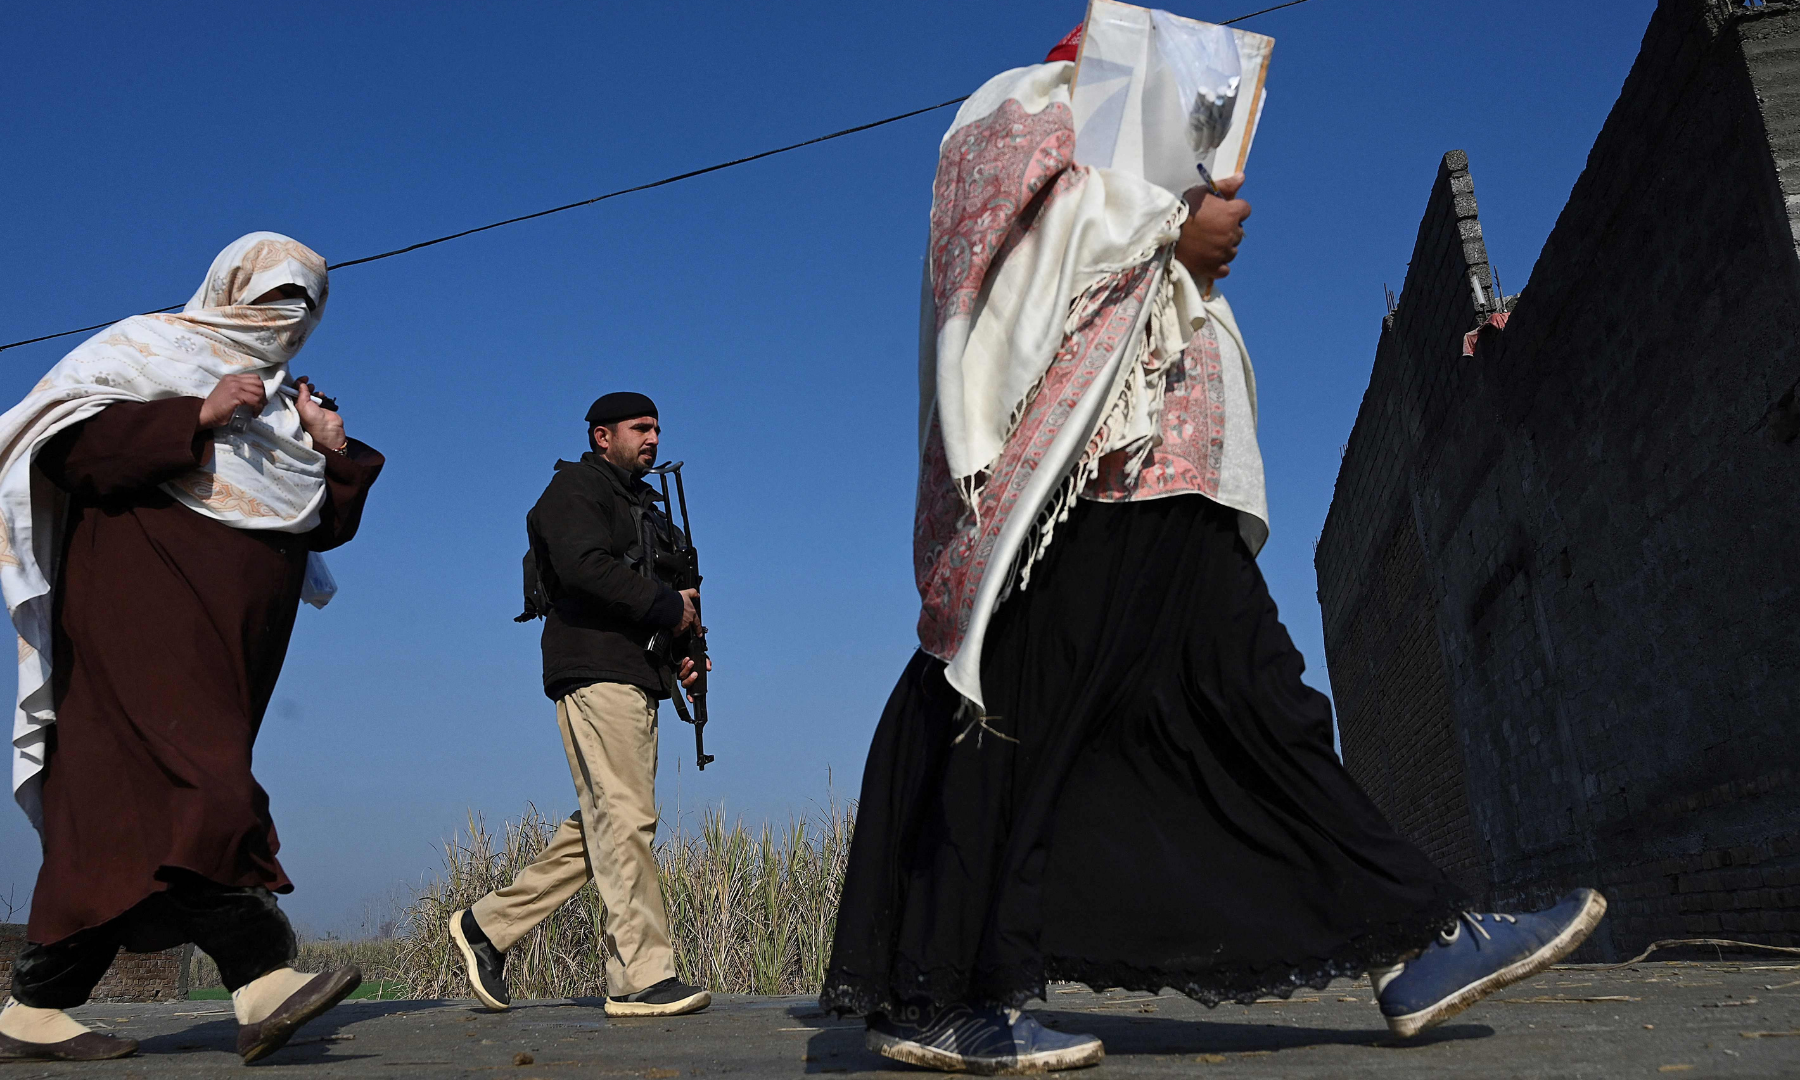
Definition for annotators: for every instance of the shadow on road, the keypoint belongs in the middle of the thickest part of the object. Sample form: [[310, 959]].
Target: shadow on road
[[316, 1043], [313, 1044], [1156, 1035], [838, 1047]]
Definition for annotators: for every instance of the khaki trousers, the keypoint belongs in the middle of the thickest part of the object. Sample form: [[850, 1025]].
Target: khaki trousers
[[609, 731]]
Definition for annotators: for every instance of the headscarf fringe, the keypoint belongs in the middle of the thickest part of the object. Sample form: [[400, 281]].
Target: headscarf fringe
[[1083, 307], [1121, 411]]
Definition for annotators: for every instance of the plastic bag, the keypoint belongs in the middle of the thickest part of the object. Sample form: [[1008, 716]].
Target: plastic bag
[[1203, 62], [1157, 94], [319, 586]]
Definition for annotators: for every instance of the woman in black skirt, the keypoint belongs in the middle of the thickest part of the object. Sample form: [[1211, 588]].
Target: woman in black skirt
[[1154, 802], [1147, 796]]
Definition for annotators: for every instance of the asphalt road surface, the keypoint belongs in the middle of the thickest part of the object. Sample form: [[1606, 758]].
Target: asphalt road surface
[[1651, 1020]]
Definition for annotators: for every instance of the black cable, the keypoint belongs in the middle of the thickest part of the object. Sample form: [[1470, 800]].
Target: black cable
[[652, 184], [615, 194], [81, 330], [1264, 11], [560, 209]]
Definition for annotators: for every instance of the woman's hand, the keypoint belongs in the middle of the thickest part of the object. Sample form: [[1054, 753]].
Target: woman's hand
[[325, 426], [232, 391], [1214, 229]]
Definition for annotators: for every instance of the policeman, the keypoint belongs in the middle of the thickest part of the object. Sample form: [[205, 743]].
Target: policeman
[[592, 534]]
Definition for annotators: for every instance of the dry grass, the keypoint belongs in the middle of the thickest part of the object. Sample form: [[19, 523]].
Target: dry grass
[[749, 912], [560, 958], [754, 914]]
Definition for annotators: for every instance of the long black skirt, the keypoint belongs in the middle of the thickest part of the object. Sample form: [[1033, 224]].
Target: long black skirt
[[1151, 801]]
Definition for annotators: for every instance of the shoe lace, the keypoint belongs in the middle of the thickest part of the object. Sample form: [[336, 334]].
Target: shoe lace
[[1474, 919], [963, 1030]]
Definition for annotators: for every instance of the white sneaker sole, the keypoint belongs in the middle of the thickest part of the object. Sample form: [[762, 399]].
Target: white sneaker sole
[[469, 966], [912, 1053], [1555, 949], [689, 1004]]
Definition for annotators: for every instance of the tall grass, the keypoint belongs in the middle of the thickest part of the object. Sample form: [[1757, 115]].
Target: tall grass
[[561, 957], [754, 913], [749, 912]]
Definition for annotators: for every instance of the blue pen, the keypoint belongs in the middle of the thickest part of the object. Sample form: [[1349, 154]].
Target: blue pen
[[1206, 178]]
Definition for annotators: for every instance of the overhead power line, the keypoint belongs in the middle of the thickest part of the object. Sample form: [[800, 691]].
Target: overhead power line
[[613, 194], [559, 209], [651, 184]]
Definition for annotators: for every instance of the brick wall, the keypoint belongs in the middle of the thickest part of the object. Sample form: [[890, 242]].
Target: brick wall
[[1376, 585], [1399, 735], [160, 976], [1593, 517]]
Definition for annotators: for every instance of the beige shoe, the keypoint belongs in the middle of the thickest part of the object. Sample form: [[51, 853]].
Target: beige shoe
[[271, 1033], [91, 1046]]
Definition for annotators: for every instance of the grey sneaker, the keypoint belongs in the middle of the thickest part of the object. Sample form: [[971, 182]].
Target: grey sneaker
[[987, 1040], [671, 997]]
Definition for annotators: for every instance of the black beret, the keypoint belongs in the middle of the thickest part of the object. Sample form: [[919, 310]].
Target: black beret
[[623, 405]]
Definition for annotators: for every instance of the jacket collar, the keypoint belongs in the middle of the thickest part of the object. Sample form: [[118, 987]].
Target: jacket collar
[[630, 486]]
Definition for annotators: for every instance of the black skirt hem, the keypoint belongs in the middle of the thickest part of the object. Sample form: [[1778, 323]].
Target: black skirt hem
[[1211, 986]]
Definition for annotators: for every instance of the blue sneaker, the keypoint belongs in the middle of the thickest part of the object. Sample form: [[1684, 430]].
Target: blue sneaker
[[1480, 955], [987, 1040]]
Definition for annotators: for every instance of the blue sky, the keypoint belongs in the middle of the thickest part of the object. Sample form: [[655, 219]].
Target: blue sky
[[770, 310]]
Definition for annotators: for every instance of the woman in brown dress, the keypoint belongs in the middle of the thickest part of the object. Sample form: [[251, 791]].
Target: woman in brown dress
[[182, 546]]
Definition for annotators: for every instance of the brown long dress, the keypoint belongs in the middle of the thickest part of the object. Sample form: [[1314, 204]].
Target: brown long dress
[[171, 629]]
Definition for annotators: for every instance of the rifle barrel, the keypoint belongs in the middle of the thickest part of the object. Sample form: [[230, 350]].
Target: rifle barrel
[[687, 527], [696, 649]]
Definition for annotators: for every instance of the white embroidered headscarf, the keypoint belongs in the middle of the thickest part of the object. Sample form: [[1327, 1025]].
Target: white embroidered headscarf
[[267, 477]]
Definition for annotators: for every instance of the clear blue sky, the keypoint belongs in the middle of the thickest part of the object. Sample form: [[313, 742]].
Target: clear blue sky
[[771, 310]]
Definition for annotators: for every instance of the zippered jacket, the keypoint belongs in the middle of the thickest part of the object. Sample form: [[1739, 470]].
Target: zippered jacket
[[593, 539]]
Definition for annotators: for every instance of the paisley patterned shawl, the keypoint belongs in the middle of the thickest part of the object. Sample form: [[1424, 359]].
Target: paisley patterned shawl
[[1041, 349], [267, 477], [1207, 444]]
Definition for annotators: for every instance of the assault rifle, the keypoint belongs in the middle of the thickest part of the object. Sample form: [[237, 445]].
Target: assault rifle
[[681, 569]]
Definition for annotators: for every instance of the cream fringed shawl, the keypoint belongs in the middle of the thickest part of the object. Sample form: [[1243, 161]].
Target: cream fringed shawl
[[1050, 309], [267, 477]]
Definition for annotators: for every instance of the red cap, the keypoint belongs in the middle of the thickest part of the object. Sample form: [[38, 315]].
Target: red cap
[[1068, 48]]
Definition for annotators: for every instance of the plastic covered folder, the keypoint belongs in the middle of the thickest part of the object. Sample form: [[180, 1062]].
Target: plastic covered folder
[[1167, 98]]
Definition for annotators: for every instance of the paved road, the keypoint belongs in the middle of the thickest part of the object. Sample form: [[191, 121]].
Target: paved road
[[1653, 1020]]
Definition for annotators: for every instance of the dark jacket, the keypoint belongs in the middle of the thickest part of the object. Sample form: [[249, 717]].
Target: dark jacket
[[589, 532]]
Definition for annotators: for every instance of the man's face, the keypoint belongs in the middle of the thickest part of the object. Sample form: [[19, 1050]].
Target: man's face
[[629, 444]]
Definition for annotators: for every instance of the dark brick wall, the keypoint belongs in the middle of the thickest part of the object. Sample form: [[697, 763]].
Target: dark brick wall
[[1594, 517], [160, 976], [1399, 736], [1377, 587]]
